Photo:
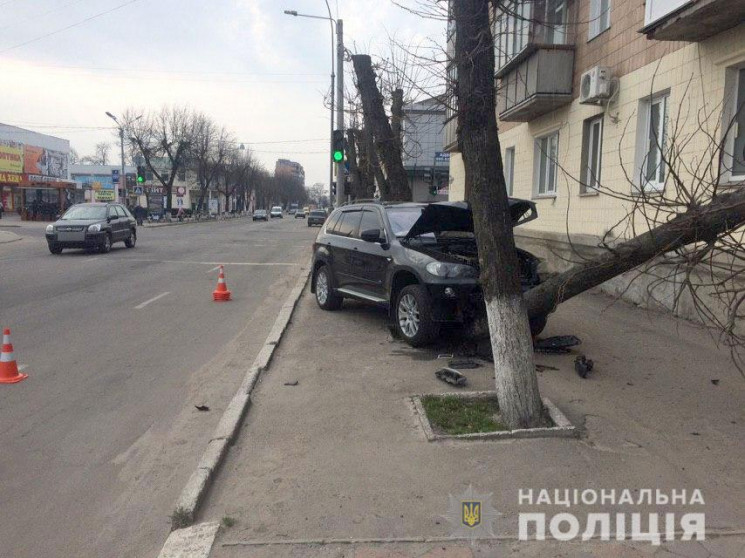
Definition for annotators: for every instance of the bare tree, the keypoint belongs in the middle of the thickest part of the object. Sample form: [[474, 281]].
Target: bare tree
[[211, 147], [163, 139], [100, 155]]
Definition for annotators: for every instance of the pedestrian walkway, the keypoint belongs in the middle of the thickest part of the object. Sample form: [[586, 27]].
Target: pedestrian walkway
[[331, 448]]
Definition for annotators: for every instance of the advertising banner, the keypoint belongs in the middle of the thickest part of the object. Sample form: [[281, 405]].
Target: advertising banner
[[10, 178], [45, 162], [11, 159]]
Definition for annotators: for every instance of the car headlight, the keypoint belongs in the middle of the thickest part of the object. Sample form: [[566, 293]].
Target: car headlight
[[96, 227], [50, 228], [442, 269]]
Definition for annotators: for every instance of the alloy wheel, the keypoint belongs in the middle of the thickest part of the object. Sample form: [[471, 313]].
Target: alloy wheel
[[408, 315], [322, 287]]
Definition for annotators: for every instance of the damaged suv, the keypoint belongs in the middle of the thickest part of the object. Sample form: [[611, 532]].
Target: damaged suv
[[418, 260]]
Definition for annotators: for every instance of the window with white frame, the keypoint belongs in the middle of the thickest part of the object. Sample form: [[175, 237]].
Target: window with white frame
[[599, 17], [734, 152], [509, 169], [592, 154], [651, 142], [511, 30], [546, 164]]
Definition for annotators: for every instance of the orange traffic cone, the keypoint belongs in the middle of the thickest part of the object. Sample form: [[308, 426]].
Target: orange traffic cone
[[8, 368], [221, 293]]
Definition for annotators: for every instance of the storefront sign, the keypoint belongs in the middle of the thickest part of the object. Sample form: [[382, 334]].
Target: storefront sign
[[11, 159], [10, 178], [45, 162], [104, 195]]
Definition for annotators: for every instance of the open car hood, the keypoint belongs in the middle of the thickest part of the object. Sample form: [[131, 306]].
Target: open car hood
[[456, 216]]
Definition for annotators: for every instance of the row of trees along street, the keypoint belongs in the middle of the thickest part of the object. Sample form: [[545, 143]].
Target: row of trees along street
[[175, 140], [689, 235]]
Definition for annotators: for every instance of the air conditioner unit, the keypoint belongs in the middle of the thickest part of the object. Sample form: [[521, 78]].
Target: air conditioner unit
[[595, 85]]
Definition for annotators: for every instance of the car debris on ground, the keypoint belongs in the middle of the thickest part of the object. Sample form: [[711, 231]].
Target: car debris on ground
[[583, 366], [559, 344], [450, 376]]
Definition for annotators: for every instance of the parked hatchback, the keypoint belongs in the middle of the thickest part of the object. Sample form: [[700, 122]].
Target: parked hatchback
[[418, 260], [92, 226]]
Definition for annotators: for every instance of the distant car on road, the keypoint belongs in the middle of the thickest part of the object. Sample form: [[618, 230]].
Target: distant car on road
[[300, 214], [260, 215], [316, 217], [418, 260], [276, 212], [92, 226]]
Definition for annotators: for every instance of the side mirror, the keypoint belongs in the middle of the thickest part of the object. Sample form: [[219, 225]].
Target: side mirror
[[371, 235], [110, 218]]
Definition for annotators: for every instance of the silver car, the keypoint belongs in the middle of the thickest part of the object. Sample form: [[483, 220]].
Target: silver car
[[92, 226]]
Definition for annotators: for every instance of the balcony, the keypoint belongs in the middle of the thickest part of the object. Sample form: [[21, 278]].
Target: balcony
[[691, 20], [534, 58]]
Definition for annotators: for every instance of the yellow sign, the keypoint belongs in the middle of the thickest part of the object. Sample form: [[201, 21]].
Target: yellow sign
[[11, 159], [10, 178], [104, 195]]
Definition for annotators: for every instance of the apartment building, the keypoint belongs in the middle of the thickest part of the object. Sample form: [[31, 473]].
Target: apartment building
[[590, 92], [425, 162], [285, 167]]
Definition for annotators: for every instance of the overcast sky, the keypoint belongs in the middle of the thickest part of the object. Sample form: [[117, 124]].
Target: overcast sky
[[243, 62]]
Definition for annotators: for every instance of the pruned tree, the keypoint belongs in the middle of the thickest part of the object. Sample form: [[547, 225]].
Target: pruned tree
[[396, 186]]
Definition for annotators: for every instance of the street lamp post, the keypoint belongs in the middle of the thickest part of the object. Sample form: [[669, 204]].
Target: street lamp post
[[122, 178], [339, 83]]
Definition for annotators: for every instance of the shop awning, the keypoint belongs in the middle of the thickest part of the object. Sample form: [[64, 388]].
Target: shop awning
[[40, 181]]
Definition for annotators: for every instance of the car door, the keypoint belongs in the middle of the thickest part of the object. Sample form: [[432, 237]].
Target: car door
[[122, 222], [340, 242], [112, 217], [370, 260]]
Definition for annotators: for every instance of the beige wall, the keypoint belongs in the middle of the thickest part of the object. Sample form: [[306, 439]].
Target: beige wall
[[695, 78]]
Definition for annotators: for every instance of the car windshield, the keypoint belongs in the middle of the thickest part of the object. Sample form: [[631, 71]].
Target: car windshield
[[276, 209], [85, 213], [318, 213], [402, 219]]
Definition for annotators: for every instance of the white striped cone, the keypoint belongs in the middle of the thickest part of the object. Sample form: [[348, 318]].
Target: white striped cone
[[8, 368]]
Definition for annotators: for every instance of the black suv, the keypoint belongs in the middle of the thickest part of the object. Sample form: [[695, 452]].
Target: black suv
[[418, 260]]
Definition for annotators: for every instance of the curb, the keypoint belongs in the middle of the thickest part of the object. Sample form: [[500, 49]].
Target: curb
[[176, 223], [196, 487], [563, 427], [6, 237]]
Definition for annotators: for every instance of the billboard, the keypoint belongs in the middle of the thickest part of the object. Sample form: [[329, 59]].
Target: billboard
[[44, 162], [11, 158]]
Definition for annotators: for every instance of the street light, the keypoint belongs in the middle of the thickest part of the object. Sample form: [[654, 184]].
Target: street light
[[122, 179], [339, 93]]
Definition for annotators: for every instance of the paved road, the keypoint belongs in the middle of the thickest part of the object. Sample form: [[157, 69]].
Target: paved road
[[97, 443]]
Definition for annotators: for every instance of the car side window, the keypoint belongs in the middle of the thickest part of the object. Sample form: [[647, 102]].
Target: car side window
[[370, 220], [112, 212], [333, 221], [120, 211], [349, 223]]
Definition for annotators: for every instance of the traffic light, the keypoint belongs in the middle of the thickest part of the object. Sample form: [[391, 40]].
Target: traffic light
[[140, 174], [433, 190], [333, 188], [337, 153]]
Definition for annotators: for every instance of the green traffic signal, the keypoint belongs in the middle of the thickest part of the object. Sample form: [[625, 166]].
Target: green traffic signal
[[338, 156], [140, 179]]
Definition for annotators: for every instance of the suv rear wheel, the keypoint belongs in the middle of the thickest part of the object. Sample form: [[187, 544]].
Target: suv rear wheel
[[413, 316], [325, 295]]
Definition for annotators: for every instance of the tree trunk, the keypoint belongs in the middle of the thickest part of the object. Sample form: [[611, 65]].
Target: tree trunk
[[397, 116], [377, 171], [517, 387], [355, 179], [701, 224], [379, 127]]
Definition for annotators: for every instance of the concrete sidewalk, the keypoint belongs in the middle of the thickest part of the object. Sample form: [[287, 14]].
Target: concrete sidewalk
[[341, 455]]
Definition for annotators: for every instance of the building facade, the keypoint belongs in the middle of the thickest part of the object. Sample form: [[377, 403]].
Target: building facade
[[426, 164], [590, 95], [34, 176], [285, 167], [95, 183]]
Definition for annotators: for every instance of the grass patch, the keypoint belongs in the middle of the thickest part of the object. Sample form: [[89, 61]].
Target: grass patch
[[458, 415], [228, 521]]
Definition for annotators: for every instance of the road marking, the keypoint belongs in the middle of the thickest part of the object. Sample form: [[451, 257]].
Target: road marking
[[214, 263], [213, 269], [161, 295]]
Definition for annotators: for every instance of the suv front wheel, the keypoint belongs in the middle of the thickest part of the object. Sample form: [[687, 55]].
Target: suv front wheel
[[325, 295], [413, 316]]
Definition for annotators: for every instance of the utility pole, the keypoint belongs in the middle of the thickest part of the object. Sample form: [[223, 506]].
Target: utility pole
[[340, 170], [122, 177]]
